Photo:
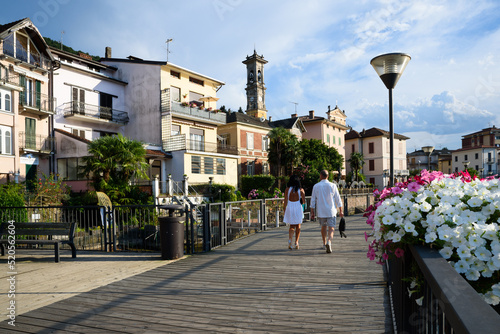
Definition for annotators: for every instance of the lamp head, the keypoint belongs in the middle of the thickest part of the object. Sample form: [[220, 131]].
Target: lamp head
[[390, 67]]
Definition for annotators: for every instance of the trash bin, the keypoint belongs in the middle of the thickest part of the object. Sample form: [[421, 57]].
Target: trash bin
[[172, 232]]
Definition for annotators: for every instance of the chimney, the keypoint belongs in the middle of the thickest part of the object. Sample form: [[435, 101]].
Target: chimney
[[270, 119], [294, 115], [311, 114], [107, 52]]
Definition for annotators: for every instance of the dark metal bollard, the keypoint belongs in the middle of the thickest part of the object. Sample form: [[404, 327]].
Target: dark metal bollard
[[172, 232]]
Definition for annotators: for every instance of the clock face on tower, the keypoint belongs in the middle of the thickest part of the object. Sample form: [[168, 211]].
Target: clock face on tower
[[260, 98]]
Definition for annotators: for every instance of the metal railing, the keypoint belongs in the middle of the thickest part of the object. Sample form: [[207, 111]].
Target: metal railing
[[189, 110], [36, 100], [449, 305], [44, 144], [76, 108], [180, 142], [11, 79], [19, 52]]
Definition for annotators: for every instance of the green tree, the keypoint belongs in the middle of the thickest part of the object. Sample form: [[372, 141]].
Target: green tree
[[356, 163], [283, 152], [112, 162]]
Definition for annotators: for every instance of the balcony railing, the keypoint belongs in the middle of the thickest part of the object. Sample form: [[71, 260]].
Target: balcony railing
[[96, 113], [180, 142], [180, 108], [20, 53], [37, 102], [39, 143], [10, 80]]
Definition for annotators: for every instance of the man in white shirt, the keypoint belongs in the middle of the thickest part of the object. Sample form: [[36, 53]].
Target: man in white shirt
[[325, 202]]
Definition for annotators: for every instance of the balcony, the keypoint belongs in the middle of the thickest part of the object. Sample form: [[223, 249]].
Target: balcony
[[36, 143], [11, 82], [180, 142], [94, 114], [190, 111], [36, 103], [21, 56]]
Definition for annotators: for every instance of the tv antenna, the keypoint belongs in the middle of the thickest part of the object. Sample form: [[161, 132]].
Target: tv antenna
[[296, 103], [168, 42], [62, 33]]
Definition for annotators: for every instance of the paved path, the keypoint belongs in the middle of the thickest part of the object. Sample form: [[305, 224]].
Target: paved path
[[253, 285]]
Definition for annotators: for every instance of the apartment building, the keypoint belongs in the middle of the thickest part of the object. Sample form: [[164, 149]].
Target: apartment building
[[330, 130], [439, 160], [90, 104], [26, 103], [174, 111], [374, 144], [480, 150]]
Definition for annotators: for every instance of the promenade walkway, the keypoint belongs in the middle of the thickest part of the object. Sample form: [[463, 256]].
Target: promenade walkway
[[253, 285]]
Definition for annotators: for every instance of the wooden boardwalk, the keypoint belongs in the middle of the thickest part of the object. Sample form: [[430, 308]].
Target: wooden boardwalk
[[253, 285]]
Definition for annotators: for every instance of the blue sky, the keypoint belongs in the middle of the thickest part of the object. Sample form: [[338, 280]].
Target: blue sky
[[319, 53]]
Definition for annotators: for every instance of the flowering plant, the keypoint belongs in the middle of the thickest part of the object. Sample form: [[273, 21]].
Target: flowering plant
[[253, 194], [457, 214]]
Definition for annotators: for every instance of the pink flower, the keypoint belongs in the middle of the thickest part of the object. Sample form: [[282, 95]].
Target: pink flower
[[385, 256], [396, 190], [399, 252], [371, 255], [414, 186], [366, 237]]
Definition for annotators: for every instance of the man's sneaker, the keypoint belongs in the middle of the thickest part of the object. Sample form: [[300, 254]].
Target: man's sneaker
[[328, 248]]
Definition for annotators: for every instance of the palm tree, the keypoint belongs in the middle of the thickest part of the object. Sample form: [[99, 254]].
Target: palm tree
[[114, 160], [356, 162], [284, 152]]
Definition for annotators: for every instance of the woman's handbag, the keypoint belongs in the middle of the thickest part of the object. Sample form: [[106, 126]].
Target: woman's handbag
[[342, 227]]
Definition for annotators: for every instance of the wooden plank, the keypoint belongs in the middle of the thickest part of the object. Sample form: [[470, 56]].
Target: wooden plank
[[253, 284]]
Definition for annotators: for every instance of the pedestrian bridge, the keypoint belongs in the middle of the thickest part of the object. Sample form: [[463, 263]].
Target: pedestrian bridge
[[254, 284]]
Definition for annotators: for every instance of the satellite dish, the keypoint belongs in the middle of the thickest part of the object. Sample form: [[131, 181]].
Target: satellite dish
[[262, 119]]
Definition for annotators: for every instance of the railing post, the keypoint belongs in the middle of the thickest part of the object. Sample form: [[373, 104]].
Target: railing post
[[185, 186], [169, 189]]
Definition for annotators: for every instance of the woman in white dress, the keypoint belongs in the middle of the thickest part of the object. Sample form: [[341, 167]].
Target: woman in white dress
[[294, 213]]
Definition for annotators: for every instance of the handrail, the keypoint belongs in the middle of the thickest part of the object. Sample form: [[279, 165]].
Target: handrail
[[449, 304]]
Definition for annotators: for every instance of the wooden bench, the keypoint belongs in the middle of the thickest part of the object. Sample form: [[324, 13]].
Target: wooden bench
[[39, 229]]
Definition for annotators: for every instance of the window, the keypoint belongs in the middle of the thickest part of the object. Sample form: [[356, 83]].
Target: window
[[5, 139], [195, 97], [224, 140], [197, 138], [371, 164], [209, 165], [250, 141], [78, 100], [328, 138], [105, 106], [30, 136], [456, 158], [176, 129], [371, 148], [476, 156], [175, 94], [352, 148], [196, 81], [68, 168], [466, 157], [7, 102], [340, 143], [79, 133], [265, 168], [221, 166], [250, 168], [196, 165], [265, 144], [175, 74], [333, 140], [372, 180]]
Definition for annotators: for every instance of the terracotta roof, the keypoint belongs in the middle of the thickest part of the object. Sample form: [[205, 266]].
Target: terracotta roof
[[373, 132], [158, 153]]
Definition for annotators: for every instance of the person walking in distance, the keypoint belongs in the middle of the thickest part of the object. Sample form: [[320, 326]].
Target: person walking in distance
[[294, 214], [325, 203]]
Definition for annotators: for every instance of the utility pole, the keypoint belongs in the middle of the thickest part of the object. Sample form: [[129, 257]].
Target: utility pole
[[296, 103]]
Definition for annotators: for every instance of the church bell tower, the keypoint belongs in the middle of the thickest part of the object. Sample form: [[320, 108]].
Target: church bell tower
[[256, 90]]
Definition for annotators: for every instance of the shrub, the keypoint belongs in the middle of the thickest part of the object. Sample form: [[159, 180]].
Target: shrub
[[264, 182]]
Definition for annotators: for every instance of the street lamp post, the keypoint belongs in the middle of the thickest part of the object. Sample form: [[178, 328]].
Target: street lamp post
[[390, 67], [466, 164], [428, 150]]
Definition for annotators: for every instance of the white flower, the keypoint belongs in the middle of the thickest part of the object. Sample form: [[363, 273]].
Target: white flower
[[475, 202], [446, 252], [496, 289], [425, 207], [463, 251], [430, 237], [419, 301], [420, 198], [491, 299], [476, 241], [387, 220], [496, 260], [482, 253], [414, 215], [444, 232], [472, 275], [461, 266]]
